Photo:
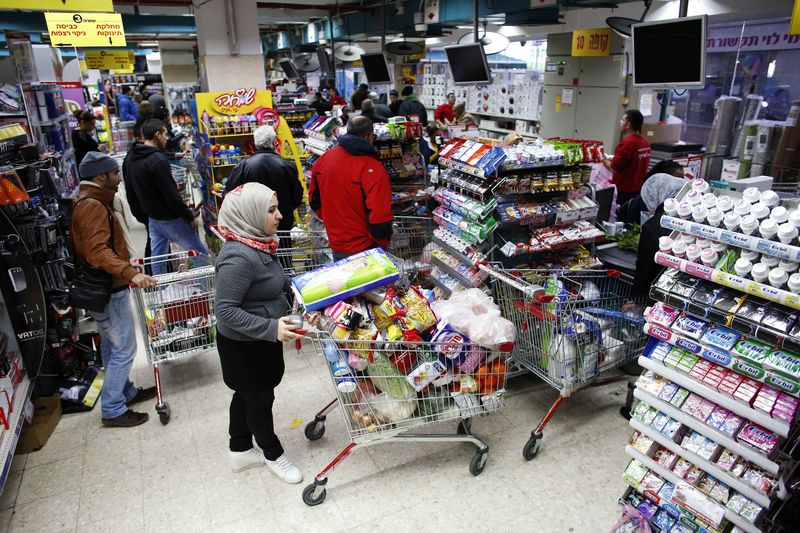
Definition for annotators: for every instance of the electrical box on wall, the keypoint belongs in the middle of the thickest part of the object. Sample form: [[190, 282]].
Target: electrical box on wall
[[582, 95]]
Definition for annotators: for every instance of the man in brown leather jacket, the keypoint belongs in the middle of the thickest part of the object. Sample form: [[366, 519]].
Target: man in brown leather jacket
[[97, 239]]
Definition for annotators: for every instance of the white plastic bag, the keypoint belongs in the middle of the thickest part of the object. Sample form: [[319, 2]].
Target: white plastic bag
[[475, 314]]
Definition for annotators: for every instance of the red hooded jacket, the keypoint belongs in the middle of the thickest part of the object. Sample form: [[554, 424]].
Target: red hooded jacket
[[350, 191]]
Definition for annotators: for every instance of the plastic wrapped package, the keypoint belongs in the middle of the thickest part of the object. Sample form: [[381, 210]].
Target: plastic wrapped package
[[476, 315]]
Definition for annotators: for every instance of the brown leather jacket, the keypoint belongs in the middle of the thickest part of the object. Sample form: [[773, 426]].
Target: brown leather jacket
[[91, 234]]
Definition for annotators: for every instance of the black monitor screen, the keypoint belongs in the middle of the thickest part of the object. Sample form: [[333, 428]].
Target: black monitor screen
[[670, 53], [376, 68], [468, 64], [289, 69]]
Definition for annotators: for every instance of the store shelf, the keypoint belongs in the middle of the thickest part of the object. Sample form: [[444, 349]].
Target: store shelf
[[445, 288], [739, 449], [452, 251], [505, 117], [729, 280], [9, 437], [55, 121], [462, 167], [735, 483], [674, 479], [506, 131], [453, 273], [715, 396], [230, 135], [739, 240], [7, 114]]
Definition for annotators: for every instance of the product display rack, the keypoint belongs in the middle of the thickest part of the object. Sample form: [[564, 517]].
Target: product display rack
[[10, 436], [727, 342], [398, 150]]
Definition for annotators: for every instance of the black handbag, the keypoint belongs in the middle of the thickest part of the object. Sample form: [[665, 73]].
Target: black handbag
[[90, 289]]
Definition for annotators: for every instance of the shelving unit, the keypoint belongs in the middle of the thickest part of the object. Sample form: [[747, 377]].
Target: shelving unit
[[10, 437]]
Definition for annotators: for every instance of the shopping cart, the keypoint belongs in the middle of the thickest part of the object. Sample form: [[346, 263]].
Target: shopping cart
[[410, 237], [572, 327], [383, 404], [176, 316]]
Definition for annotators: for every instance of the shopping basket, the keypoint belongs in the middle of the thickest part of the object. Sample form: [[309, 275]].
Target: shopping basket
[[176, 316], [572, 327], [390, 397]]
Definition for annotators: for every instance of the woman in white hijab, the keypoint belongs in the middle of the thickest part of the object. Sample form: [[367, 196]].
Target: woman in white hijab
[[252, 324]]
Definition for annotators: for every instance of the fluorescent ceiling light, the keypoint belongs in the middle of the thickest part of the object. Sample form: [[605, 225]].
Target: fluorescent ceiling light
[[148, 44]]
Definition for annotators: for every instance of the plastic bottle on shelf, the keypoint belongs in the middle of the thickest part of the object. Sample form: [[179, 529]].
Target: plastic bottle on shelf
[[719, 247], [665, 244], [236, 125], [714, 217], [751, 195], [709, 257], [770, 198], [686, 238], [768, 229], [778, 278], [789, 266], [794, 218], [724, 203], [709, 200], [238, 153], [748, 224], [685, 210], [750, 255], [702, 243], [741, 208], [700, 185], [770, 260], [787, 233], [693, 253], [679, 249], [794, 283], [760, 211], [760, 272], [694, 198], [779, 214], [699, 214], [731, 221], [743, 267], [671, 207]]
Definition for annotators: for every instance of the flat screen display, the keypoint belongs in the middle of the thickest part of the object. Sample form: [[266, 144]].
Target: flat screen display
[[468, 64], [376, 68], [670, 53], [289, 69], [325, 61]]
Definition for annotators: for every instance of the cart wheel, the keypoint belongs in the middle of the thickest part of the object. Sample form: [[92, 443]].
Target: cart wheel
[[315, 430], [164, 412], [314, 494], [532, 447], [625, 412], [477, 463]]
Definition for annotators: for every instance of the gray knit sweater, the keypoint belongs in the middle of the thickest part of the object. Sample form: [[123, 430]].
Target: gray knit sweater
[[250, 293]]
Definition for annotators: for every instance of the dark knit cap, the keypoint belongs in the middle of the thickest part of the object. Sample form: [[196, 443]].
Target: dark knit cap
[[96, 163]]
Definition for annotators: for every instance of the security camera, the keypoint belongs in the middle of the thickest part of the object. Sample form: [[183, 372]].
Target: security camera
[[419, 24]]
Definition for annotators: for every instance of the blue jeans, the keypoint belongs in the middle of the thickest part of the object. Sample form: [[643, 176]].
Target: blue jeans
[[179, 231], [118, 350]]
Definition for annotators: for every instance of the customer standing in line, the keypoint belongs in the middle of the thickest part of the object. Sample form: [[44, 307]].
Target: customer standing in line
[[631, 157], [358, 96], [97, 240], [169, 219], [251, 307], [461, 116], [351, 193], [443, 115], [127, 107], [412, 107], [83, 140], [368, 110], [394, 103]]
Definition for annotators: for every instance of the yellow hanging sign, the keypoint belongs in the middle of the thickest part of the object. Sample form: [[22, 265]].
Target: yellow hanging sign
[[794, 27], [59, 5], [116, 60], [591, 43], [85, 29]]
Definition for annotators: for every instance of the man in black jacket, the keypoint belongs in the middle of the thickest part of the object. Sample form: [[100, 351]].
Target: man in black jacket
[[170, 220]]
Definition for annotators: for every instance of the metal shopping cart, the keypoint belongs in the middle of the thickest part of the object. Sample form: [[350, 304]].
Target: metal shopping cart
[[572, 328], [176, 316], [382, 403]]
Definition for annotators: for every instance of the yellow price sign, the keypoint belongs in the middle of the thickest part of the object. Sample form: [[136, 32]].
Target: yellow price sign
[[59, 5], [794, 26], [591, 43], [117, 60], [85, 29]]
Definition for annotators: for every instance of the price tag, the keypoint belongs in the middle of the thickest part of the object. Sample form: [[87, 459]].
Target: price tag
[[85, 29], [591, 43], [117, 60]]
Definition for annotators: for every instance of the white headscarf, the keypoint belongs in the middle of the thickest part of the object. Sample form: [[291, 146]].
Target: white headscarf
[[245, 209], [658, 188]]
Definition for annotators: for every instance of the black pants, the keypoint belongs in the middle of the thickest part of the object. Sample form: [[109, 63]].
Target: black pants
[[251, 416]]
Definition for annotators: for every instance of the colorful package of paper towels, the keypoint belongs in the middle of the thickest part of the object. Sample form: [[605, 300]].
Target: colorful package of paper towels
[[344, 279]]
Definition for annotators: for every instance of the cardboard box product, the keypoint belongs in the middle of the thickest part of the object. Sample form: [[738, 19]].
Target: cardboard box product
[[662, 133], [46, 415]]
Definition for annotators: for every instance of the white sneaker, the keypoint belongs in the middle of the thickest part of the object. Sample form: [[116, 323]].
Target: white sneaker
[[285, 469], [241, 461]]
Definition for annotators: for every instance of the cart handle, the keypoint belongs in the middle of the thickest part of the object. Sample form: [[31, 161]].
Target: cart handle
[[139, 261], [534, 291]]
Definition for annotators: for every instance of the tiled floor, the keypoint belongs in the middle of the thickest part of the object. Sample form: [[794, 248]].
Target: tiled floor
[[176, 477]]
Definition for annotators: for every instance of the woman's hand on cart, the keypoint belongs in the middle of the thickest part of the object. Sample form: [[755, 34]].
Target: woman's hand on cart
[[143, 281], [286, 329]]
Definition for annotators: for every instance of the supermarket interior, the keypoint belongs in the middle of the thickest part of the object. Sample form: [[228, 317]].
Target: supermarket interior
[[337, 265]]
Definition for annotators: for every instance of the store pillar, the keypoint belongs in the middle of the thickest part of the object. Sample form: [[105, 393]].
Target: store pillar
[[229, 45]]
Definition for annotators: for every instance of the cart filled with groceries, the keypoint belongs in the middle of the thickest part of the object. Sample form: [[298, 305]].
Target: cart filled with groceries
[[399, 359]]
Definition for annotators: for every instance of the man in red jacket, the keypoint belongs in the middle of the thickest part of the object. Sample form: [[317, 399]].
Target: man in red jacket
[[350, 191], [631, 157], [444, 113]]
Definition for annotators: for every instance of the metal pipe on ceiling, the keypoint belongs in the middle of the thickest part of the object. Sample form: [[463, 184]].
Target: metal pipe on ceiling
[[475, 19], [336, 8], [683, 8], [232, 35]]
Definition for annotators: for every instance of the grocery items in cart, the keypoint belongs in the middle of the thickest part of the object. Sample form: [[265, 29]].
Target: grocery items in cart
[[176, 316], [722, 370], [399, 359]]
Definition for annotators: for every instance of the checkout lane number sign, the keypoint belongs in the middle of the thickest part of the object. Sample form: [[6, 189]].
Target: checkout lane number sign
[[85, 29], [591, 43]]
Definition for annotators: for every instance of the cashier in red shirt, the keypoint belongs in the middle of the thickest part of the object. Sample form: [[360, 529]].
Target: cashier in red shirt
[[443, 115], [631, 158]]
